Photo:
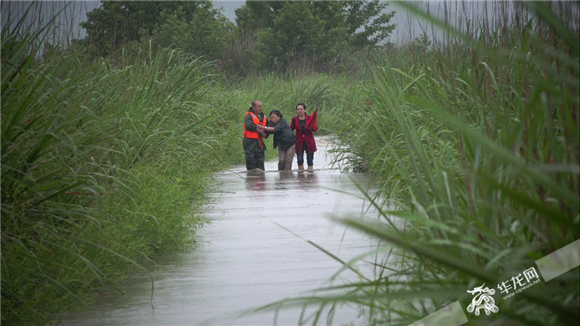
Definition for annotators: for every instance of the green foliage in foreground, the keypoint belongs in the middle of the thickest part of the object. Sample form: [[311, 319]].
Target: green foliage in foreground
[[102, 162], [477, 148]]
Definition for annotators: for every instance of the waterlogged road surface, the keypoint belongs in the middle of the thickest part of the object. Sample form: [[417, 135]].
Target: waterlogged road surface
[[253, 252]]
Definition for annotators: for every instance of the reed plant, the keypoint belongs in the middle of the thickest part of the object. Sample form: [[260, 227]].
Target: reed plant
[[103, 163], [104, 160], [329, 94], [476, 142]]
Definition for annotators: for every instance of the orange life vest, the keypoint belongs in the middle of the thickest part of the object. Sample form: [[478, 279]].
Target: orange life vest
[[254, 134]]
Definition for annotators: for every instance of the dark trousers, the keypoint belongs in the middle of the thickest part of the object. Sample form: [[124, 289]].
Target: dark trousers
[[309, 157], [254, 160]]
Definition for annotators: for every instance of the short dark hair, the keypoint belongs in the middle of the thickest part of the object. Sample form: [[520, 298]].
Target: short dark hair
[[276, 112], [254, 102], [303, 105]]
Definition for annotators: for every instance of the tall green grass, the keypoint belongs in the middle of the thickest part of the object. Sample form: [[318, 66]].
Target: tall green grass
[[103, 161], [477, 144], [322, 92], [102, 164], [475, 140], [329, 94]]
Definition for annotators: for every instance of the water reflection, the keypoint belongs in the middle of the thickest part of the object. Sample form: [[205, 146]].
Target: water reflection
[[256, 181], [247, 257], [285, 180], [307, 180]]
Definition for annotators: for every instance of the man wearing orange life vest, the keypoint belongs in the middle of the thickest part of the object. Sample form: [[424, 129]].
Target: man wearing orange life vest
[[254, 147]]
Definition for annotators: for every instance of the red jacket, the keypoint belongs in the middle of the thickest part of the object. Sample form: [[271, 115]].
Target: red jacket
[[304, 137]]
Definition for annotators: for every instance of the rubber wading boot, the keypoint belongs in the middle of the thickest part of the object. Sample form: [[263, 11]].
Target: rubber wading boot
[[310, 168], [300, 168]]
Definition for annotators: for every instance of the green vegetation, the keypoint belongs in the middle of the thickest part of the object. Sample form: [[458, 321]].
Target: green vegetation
[[269, 36], [476, 142], [295, 33], [192, 26], [89, 152], [108, 145], [104, 159], [102, 163]]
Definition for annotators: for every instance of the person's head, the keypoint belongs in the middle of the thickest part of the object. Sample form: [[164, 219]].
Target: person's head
[[275, 116], [301, 109], [257, 106]]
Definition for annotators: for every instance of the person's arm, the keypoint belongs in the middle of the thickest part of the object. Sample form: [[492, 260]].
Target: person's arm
[[292, 126], [274, 128], [264, 133], [270, 128]]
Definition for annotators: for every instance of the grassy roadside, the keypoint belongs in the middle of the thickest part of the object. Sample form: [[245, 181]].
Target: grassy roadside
[[103, 162], [476, 143]]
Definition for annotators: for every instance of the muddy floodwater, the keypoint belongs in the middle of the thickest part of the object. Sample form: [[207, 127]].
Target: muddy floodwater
[[254, 252]]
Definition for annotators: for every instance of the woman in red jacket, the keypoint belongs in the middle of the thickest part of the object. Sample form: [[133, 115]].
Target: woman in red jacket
[[304, 137]]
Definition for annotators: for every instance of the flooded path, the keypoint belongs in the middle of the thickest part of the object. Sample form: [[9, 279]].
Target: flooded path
[[252, 253]]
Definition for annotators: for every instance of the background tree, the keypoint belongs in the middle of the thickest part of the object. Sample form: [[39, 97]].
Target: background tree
[[205, 32], [256, 15], [194, 26], [366, 23], [315, 31]]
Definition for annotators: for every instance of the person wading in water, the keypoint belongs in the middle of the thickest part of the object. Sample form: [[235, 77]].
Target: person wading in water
[[304, 137], [284, 139], [254, 123]]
